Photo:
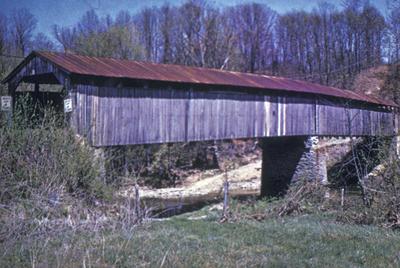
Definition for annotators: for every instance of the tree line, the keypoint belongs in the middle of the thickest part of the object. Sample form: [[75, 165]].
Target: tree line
[[328, 44]]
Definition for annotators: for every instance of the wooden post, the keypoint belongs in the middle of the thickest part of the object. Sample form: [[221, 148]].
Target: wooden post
[[396, 146], [342, 198], [138, 213], [36, 100], [9, 119], [215, 154], [226, 197], [225, 209], [100, 156]]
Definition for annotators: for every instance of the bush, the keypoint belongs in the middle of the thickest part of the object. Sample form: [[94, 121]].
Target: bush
[[382, 190], [37, 153]]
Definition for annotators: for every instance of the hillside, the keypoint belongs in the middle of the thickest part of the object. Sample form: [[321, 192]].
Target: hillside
[[382, 81]]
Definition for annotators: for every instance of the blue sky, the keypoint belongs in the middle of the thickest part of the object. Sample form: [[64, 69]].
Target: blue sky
[[67, 12]]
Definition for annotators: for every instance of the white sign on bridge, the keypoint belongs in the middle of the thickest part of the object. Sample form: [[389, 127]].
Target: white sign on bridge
[[67, 105], [6, 103]]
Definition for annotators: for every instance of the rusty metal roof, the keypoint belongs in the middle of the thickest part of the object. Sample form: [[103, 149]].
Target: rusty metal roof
[[117, 68]]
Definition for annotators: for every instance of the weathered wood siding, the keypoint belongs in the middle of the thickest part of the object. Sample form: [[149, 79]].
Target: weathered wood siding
[[289, 116], [337, 118], [83, 116], [121, 116], [140, 115]]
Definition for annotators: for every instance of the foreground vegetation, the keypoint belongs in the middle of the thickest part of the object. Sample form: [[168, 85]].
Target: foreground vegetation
[[56, 210], [181, 241]]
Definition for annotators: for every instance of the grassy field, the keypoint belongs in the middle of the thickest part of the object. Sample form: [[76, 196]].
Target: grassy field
[[198, 240]]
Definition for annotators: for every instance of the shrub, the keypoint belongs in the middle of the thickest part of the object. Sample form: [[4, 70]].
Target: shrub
[[38, 153], [382, 188]]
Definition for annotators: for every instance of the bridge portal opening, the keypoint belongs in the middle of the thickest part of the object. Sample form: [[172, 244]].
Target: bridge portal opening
[[35, 96]]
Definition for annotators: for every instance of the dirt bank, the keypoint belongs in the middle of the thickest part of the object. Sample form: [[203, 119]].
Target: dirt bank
[[244, 180]]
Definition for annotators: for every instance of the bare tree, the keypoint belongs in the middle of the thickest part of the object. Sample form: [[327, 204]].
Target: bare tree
[[101, 36], [3, 33], [65, 36], [212, 40], [23, 23], [188, 39], [123, 19], [90, 24], [253, 24], [326, 45], [394, 30], [148, 24], [42, 42]]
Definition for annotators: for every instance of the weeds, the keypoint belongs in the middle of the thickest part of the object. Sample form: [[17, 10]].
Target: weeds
[[48, 179], [178, 242], [39, 153]]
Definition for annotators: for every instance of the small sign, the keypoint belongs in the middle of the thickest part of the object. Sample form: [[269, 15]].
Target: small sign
[[67, 105], [6, 103]]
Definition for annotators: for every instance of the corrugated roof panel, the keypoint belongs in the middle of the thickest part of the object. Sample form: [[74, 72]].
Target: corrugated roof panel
[[116, 68]]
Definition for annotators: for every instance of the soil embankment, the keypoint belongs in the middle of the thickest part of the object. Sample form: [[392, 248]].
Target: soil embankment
[[243, 181]]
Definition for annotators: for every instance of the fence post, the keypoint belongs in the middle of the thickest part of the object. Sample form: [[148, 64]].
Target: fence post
[[137, 204], [226, 201]]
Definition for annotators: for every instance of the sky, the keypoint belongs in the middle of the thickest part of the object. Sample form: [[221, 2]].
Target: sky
[[68, 12]]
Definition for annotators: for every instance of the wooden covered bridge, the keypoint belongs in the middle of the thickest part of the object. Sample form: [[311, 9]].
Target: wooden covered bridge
[[120, 102]]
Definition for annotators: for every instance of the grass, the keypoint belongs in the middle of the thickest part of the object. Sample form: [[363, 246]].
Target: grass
[[295, 241], [45, 174]]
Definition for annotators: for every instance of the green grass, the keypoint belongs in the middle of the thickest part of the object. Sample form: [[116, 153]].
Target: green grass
[[302, 241]]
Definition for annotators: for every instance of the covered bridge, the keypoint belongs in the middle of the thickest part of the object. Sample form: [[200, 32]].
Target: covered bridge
[[123, 102]]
